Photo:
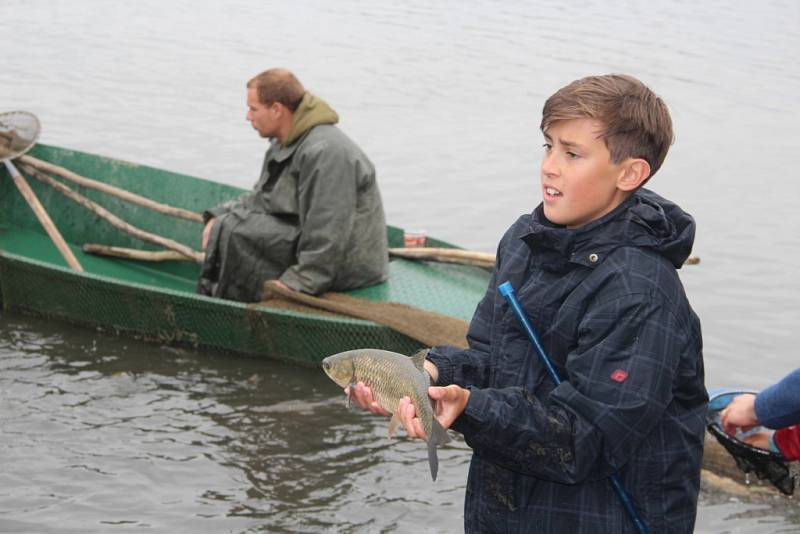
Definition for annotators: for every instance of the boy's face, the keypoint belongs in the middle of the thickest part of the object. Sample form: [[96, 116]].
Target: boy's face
[[579, 181]]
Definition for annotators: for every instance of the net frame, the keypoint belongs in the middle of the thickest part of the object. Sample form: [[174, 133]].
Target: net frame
[[19, 131], [766, 464]]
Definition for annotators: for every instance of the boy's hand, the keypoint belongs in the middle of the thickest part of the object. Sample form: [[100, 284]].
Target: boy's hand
[[449, 403], [362, 396]]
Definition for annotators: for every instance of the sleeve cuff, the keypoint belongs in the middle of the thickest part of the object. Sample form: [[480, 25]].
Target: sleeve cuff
[[212, 213], [444, 365], [470, 422], [763, 403]]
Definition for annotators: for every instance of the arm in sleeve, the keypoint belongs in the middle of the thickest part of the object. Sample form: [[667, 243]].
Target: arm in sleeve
[[788, 442], [327, 203], [778, 406], [244, 199], [471, 366], [588, 426]]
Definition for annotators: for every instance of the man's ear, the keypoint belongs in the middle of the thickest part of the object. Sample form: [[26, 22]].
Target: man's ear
[[636, 172]]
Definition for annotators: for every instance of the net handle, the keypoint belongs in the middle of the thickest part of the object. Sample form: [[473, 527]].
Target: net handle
[[7, 135], [24, 188]]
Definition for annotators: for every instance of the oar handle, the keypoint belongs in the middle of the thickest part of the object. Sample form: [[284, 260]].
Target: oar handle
[[41, 214], [507, 291]]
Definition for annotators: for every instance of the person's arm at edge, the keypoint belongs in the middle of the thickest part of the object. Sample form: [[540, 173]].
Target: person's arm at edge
[[778, 406], [327, 193]]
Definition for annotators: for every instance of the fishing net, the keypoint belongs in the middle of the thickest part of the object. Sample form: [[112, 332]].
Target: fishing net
[[18, 133], [427, 327], [766, 464]]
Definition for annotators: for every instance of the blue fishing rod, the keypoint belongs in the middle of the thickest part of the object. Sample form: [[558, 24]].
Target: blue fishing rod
[[507, 290]]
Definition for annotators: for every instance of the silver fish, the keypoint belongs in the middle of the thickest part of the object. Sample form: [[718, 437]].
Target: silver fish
[[391, 376]]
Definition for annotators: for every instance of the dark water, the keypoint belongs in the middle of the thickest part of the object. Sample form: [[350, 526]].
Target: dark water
[[99, 433]]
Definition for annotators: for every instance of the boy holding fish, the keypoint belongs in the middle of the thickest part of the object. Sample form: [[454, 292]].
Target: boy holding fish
[[594, 267]]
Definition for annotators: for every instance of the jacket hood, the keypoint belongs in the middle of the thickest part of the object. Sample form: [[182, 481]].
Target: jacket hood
[[311, 112], [643, 220]]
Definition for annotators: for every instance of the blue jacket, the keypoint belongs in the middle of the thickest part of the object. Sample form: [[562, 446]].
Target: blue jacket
[[611, 312], [778, 406]]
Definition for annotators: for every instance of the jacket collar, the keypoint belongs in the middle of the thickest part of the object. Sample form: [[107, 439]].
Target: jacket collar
[[312, 111], [644, 220]]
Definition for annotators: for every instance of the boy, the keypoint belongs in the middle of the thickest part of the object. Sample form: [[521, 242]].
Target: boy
[[594, 267]]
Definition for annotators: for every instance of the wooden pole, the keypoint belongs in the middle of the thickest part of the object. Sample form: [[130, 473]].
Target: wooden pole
[[448, 255], [110, 189], [44, 218], [134, 254], [113, 219], [465, 257]]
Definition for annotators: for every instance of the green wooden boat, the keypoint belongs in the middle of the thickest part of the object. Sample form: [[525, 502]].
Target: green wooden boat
[[156, 300]]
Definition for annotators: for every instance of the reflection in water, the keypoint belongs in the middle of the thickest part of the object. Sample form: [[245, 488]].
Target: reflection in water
[[128, 433]]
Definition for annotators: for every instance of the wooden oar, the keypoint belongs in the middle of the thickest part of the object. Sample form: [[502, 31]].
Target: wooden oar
[[110, 189], [135, 254], [41, 214], [13, 145], [465, 257], [113, 219], [447, 255]]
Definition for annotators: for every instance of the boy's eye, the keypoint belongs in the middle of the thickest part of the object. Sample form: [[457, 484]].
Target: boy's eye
[[547, 146], [572, 155]]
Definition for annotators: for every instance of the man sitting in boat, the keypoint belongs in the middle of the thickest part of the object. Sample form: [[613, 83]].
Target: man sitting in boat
[[314, 220]]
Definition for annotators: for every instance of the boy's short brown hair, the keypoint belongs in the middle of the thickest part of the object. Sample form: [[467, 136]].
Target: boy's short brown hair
[[278, 85], [637, 121]]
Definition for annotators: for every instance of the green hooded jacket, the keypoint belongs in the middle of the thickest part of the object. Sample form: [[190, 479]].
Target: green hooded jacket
[[314, 220]]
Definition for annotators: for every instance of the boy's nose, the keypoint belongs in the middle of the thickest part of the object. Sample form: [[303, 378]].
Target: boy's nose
[[549, 167]]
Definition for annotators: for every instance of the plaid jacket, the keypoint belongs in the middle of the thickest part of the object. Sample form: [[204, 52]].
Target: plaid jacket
[[611, 312]]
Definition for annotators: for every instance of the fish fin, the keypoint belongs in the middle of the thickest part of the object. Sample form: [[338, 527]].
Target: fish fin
[[349, 394], [418, 359], [438, 437], [429, 378], [439, 434], [393, 422]]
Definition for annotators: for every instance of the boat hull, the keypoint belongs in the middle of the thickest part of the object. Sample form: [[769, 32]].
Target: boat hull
[[157, 302]]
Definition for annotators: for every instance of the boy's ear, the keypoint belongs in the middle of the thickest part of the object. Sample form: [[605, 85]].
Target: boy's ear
[[636, 172]]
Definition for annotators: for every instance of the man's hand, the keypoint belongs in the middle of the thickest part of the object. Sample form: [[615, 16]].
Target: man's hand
[[282, 285], [740, 413], [207, 232], [449, 403]]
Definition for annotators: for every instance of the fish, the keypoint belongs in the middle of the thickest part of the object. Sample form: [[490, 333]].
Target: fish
[[392, 376]]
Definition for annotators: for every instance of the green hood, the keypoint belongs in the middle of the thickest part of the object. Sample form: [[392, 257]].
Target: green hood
[[311, 112]]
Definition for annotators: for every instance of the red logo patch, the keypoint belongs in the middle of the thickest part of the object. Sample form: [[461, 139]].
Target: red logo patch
[[619, 375]]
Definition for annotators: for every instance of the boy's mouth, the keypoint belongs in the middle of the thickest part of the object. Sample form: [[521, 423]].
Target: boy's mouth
[[551, 192]]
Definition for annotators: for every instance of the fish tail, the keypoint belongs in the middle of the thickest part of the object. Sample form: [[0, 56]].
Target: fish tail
[[438, 437], [438, 433], [433, 458]]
